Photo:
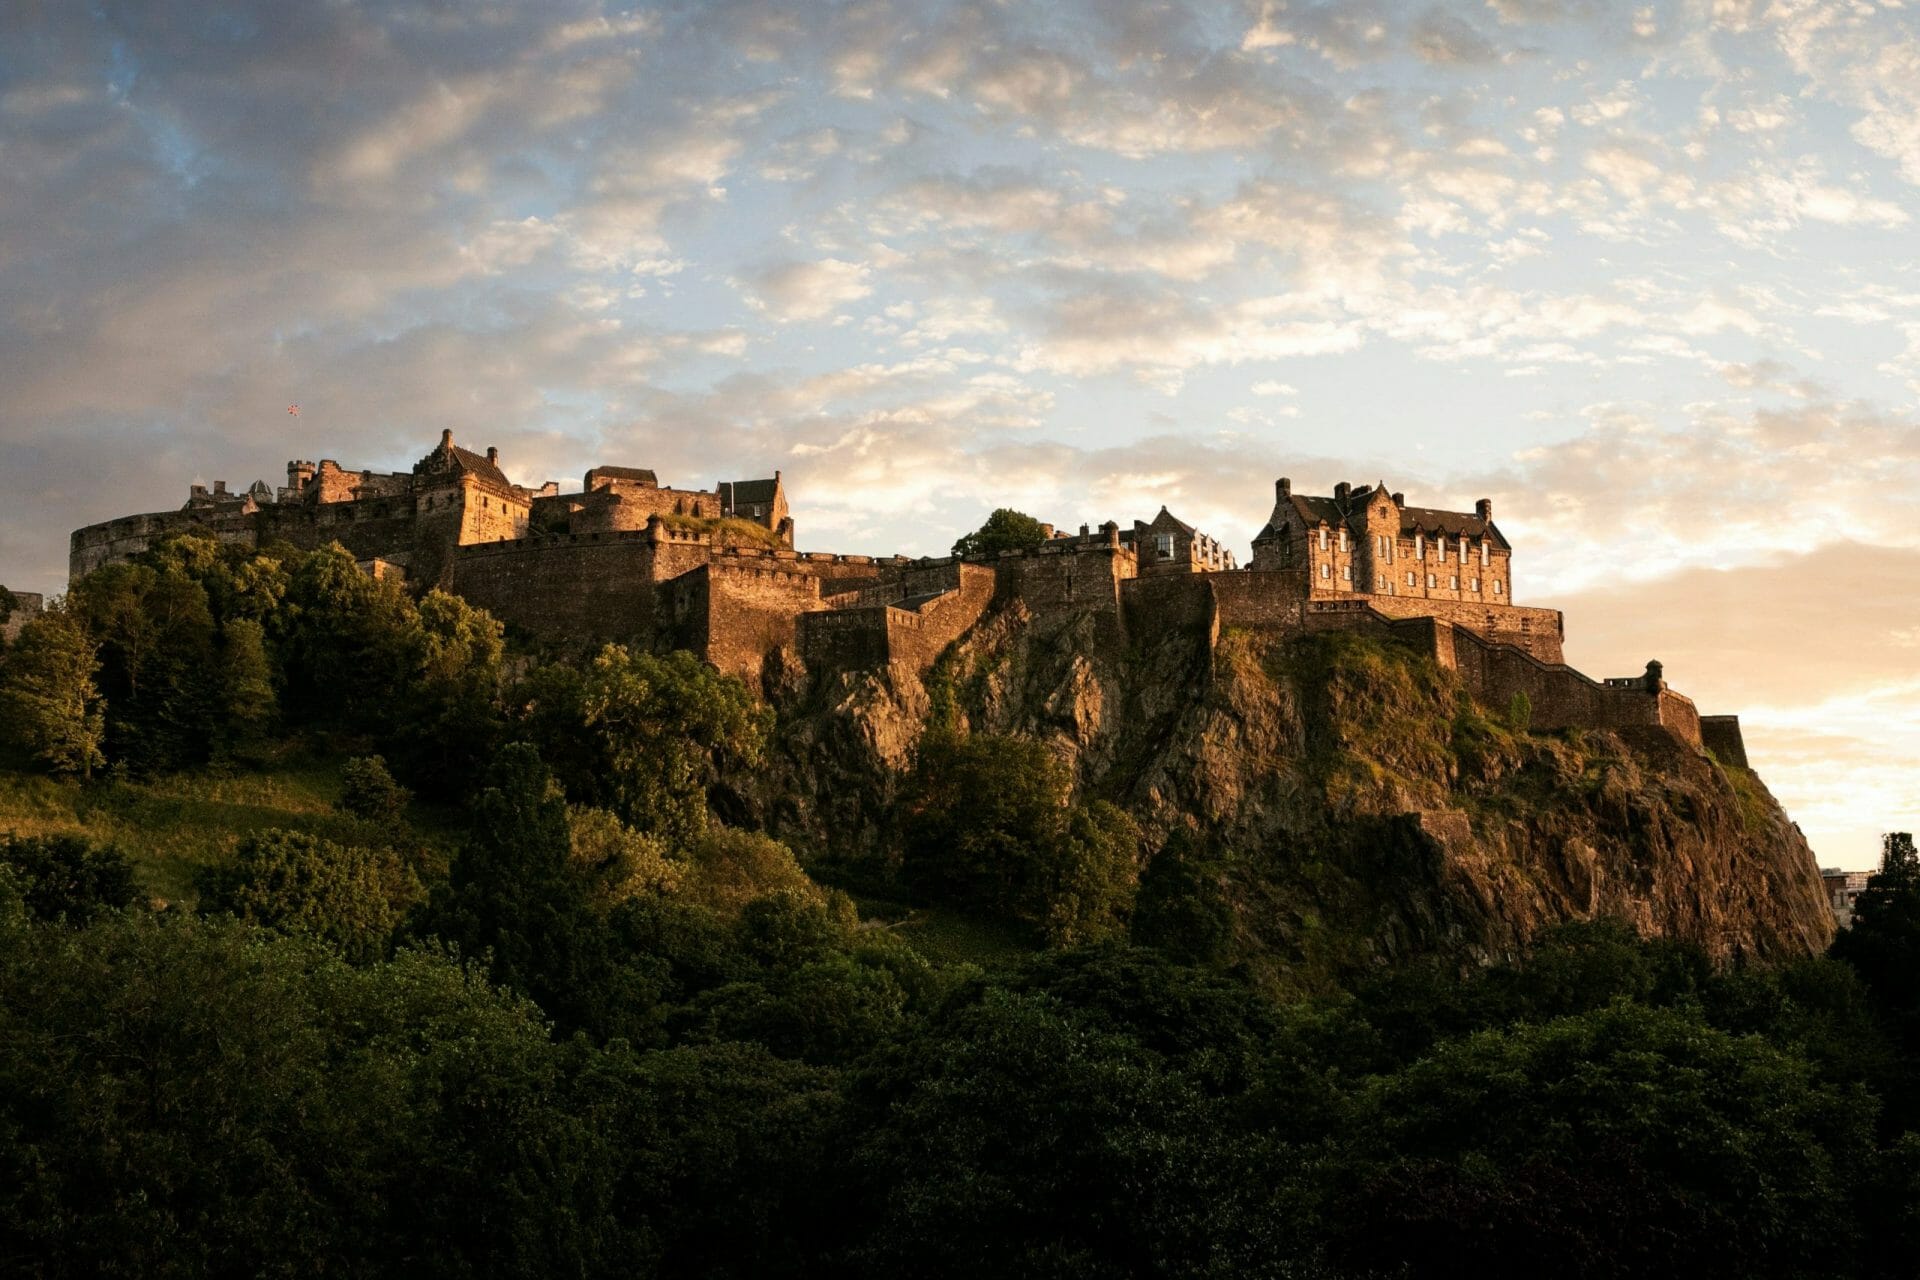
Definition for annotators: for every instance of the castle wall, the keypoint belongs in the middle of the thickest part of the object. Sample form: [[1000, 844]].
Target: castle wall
[[738, 612], [26, 606], [601, 587], [1563, 698], [1538, 631], [1721, 735], [917, 637], [1067, 576], [1168, 602], [1261, 600]]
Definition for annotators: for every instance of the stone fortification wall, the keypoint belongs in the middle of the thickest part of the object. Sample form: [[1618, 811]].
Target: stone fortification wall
[[1067, 575], [1169, 602], [112, 541], [601, 587], [910, 621], [26, 606], [1539, 631], [736, 613], [1722, 736], [1563, 698], [1264, 600]]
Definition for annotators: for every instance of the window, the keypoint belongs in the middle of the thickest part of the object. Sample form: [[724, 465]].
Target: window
[[1463, 548], [1163, 545], [1323, 539], [1411, 580], [1380, 582], [1496, 586], [1326, 570], [1483, 553], [1343, 539], [1453, 583], [1419, 546], [1430, 581], [1476, 584], [1346, 573]]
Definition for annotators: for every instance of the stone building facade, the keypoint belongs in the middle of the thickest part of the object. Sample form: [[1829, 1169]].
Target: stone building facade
[[416, 521], [715, 570]]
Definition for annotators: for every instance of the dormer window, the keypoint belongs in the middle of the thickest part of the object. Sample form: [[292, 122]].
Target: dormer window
[[1483, 553], [1323, 538], [1343, 539], [1419, 546]]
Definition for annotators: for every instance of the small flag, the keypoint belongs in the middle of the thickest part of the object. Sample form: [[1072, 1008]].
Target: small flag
[[294, 409]]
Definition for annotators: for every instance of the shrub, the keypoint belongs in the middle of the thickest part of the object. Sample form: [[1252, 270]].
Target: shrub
[[298, 883], [369, 791], [65, 878]]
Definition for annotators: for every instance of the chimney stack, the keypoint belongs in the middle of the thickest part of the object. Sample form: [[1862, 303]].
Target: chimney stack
[[446, 438], [1484, 509], [493, 454], [1340, 492], [1283, 488], [1399, 499]]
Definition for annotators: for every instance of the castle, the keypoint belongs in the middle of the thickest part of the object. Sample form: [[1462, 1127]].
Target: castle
[[715, 571]]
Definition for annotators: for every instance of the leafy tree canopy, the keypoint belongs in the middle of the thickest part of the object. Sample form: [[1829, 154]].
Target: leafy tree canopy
[[1004, 530]]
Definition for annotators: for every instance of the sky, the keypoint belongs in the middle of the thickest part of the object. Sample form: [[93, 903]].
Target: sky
[[1646, 276]]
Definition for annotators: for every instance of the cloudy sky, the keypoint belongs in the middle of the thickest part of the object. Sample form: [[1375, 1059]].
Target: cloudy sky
[[1646, 276]]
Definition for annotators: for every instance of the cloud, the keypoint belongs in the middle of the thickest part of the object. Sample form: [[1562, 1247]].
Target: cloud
[[807, 290]]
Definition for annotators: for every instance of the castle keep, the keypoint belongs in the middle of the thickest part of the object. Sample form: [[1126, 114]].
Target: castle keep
[[715, 570]]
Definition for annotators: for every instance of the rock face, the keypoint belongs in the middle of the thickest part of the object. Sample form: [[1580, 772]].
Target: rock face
[[1364, 808]]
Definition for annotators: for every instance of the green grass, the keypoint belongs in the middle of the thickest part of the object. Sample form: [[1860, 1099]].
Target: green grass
[[948, 937], [726, 531], [171, 827]]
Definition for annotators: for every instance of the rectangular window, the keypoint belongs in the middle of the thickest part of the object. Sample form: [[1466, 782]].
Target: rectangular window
[[1419, 546], [1412, 581], [1323, 539], [1483, 553], [1326, 570], [1346, 573], [1163, 545], [1476, 584], [1430, 581], [1453, 583], [1496, 586], [1343, 539]]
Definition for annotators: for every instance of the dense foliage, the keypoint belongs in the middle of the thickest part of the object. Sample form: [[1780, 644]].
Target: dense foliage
[[1004, 530], [614, 1035]]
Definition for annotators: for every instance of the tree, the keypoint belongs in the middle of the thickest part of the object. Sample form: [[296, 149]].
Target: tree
[[158, 667], [1004, 530], [49, 704], [349, 896], [1626, 1141], [369, 792], [248, 702], [1883, 944], [988, 828], [65, 878], [660, 732], [1182, 909], [513, 896]]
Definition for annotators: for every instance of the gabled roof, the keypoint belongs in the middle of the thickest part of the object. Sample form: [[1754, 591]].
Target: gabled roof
[[1167, 520], [476, 465], [735, 493], [1312, 511], [639, 475]]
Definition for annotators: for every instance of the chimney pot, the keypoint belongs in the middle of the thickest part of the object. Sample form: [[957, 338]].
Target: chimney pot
[[1484, 508], [446, 438], [493, 454]]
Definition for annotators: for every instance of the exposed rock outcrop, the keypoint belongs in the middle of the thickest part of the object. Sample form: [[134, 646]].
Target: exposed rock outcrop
[[1367, 810]]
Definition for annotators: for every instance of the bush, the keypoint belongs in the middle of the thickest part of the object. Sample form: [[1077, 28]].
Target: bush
[[298, 883], [368, 790], [65, 878], [988, 829]]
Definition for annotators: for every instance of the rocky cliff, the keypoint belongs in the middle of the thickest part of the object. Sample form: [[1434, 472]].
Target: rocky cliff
[[1362, 806]]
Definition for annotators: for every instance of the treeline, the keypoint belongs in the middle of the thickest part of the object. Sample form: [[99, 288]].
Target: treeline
[[613, 1036], [792, 1094]]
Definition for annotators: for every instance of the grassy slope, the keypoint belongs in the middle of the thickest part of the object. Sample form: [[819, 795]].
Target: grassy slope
[[169, 827]]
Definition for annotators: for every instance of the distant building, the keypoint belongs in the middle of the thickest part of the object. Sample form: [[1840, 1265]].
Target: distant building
[[1843, 890], [26, 604]]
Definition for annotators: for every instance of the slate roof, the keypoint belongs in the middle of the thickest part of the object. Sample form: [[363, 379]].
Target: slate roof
[[744, 493], [1312, 510], [640, 475], [476, 464]]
